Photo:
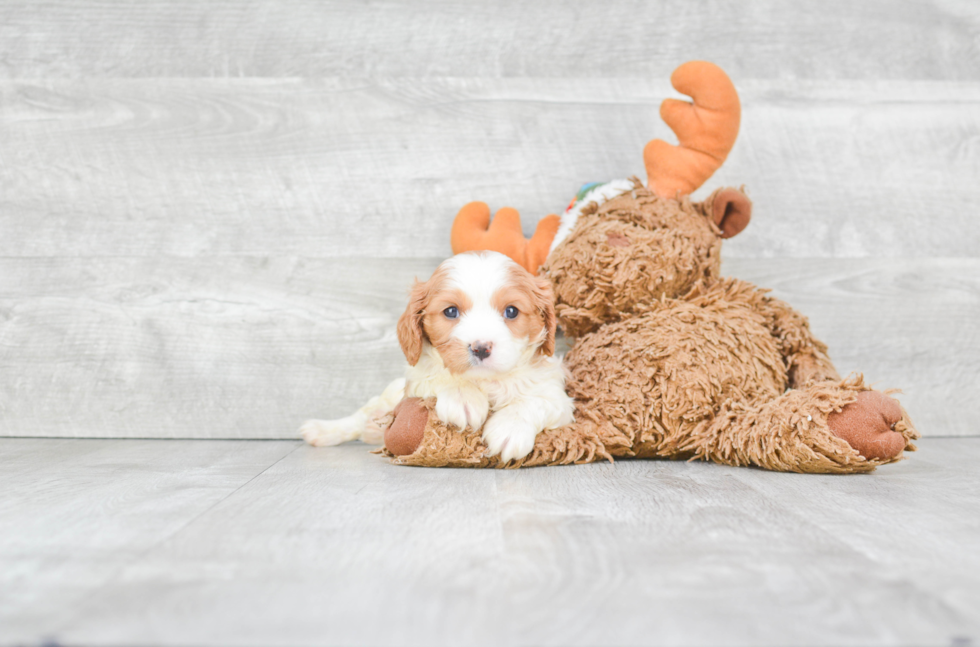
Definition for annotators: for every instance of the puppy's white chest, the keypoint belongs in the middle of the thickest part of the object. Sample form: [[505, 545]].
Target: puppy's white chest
[[498, 394]]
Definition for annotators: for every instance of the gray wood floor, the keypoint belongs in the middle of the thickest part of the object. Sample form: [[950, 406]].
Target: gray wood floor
[[167, 542]]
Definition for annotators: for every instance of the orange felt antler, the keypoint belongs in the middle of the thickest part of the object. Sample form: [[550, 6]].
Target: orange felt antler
[[706, 130], [473, 231]]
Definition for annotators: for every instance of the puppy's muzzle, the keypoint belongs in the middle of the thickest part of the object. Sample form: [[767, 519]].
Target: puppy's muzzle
[[481, 350]]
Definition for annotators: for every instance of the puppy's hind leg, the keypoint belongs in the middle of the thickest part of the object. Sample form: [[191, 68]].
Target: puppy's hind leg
[[361, 425]]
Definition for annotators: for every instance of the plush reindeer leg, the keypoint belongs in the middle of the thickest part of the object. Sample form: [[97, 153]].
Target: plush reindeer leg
[[866, 419], [417, 437], [825, 427], [805, 355]]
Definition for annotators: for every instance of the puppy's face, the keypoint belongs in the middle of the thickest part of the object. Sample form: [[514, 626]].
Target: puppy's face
[[482, 312]]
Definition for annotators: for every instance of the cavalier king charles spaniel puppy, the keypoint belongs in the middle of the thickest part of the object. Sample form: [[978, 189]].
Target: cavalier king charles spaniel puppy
[[479, 336]]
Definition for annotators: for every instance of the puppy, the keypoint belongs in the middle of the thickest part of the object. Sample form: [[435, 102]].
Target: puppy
[[479, 336]]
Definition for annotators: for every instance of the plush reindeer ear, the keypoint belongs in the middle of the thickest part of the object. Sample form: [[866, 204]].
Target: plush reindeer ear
[[544, 301], [730, 209], [410, 331]]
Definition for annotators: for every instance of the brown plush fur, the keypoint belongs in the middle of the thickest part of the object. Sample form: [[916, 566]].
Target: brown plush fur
[[669, 247], [674, 361]]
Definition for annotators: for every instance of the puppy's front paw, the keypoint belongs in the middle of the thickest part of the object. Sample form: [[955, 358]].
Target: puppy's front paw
[[324, 433], [462, 407], [509, 436]]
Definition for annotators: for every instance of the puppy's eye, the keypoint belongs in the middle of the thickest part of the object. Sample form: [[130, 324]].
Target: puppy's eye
[[511, 312], [451, 312]]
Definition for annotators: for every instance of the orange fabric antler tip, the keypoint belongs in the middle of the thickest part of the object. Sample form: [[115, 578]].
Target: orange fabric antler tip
[[706, 130], [473, 231]]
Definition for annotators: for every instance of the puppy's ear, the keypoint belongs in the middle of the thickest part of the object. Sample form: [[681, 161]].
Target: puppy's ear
[[410, 331], [544, 301]]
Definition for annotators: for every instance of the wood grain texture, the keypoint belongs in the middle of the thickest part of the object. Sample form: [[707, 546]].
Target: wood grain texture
[[336, 546], [243, 347], [233, 347], [210, 211], [379, 168], [73, 515], [880, 39]]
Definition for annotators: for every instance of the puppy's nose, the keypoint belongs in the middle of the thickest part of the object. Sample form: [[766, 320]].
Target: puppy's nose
[[481, 349]]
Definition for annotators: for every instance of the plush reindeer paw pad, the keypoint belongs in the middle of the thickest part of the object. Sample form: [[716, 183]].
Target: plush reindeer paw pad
[[868, 425], [404, 435]]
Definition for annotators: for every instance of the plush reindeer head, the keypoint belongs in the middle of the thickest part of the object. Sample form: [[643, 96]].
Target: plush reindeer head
[[637, 248], [649, 242]]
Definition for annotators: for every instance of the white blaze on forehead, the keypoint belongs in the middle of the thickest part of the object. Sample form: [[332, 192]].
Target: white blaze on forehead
[[479, 274]]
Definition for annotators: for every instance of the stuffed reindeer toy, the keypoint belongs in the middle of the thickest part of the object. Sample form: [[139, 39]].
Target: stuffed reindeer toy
[[670, 359]]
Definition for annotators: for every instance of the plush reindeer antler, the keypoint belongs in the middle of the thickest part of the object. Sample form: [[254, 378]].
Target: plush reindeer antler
[[706, 130], [473, 231]]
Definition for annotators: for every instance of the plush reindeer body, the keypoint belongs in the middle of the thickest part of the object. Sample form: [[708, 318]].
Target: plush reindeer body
[[692, 364], [671, 360]]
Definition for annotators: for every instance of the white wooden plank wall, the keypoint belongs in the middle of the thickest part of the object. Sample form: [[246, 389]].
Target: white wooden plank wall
[[210, 211]]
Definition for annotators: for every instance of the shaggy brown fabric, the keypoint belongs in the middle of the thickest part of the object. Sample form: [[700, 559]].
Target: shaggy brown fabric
[[671, 247], [673, 361], [445, 445], [787, 434]]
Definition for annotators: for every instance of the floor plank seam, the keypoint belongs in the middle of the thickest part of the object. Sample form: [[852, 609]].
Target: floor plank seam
[[142, 554]]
